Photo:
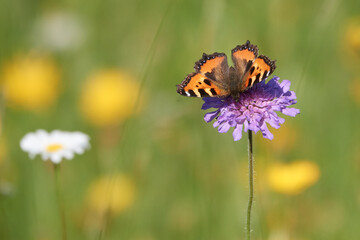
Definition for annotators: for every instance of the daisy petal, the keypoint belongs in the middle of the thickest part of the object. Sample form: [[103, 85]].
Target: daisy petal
[[55, 145]]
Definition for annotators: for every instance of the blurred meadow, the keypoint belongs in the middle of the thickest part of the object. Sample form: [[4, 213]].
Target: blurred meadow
[[156, 170]]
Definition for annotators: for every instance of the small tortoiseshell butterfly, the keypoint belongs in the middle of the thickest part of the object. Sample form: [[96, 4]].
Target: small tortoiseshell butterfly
[[214, 78]]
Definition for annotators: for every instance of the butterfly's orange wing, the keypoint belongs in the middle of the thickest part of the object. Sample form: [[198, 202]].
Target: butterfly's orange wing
[[243, 57], [207, 79], [214, 66], [249, 67], [197, 85], [259, 71]]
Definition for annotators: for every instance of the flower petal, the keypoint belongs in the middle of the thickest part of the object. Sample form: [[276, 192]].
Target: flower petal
[[211, 115], [285, 85], [292, 112], [266, 133], [224, 127], [216, 124], [211, 103], [237, 133], [69, 155], [54, 146], [56, 158]]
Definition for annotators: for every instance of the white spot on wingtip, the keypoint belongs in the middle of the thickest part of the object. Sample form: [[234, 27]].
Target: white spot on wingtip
[[187, 94]]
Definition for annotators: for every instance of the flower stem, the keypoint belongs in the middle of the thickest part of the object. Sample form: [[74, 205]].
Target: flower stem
[[106, 220], [60, 201], [251, 185]]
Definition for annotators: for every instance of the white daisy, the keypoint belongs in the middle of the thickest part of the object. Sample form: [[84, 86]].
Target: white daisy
[[55, 145]]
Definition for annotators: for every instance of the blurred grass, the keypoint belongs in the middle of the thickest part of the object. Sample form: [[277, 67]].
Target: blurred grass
[[190, 180]]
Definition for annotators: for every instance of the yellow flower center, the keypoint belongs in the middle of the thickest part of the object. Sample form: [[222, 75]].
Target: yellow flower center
[[54, 147]]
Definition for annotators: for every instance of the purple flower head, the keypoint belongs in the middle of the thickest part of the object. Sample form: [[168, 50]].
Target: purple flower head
[[254, 108]]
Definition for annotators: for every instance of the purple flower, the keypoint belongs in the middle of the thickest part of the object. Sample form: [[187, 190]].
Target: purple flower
[[254, 108]]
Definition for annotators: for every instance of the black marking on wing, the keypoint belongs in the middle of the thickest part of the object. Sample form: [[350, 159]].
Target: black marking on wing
[[207, 82], [203, 93], [265, 75], [192, 93], [213, 91], [248, 65], [257, 79], [252, 70]]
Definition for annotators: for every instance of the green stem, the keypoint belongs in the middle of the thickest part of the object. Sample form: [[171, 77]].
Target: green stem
[[60, 201], [106, 219], [251, 185]]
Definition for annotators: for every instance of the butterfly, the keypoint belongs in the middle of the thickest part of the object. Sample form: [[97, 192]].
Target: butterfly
[[214, 78]]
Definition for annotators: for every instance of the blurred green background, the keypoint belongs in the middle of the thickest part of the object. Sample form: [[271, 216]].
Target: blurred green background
[[109, 69]]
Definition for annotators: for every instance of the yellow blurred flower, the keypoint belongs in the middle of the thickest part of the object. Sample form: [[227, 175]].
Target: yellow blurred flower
[[3, 150], [350, 46], [109, 97], [354, 89], [352, 34], [111, 194], [30, 82], [292, 178]]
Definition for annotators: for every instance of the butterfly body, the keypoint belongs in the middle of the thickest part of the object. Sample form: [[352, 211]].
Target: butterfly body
[[214, 78]]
